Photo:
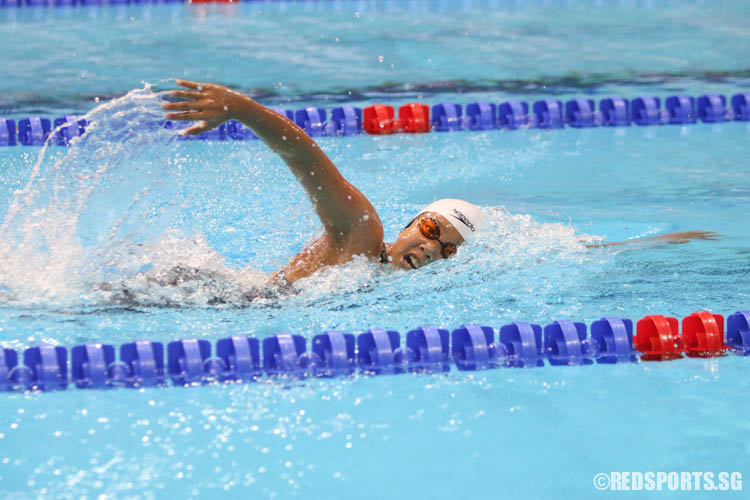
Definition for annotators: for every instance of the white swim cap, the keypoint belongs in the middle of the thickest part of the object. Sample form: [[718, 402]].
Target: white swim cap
[[464, 216]]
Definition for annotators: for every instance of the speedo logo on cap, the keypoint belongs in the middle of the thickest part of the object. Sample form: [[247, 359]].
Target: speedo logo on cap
[[458, 215]]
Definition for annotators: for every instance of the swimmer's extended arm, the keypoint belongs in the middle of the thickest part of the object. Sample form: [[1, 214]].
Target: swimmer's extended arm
[[343, 209], [671, 238]]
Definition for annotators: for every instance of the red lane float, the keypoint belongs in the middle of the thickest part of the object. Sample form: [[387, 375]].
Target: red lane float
[[413, 118], [703, 335], [379, 120], [657, 337]]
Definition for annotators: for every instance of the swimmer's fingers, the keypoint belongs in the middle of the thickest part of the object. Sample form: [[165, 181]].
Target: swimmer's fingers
[[185, 94], [692, 235], [686, 237], [179, 106], [191, 85], [190, 116], [708, 235]]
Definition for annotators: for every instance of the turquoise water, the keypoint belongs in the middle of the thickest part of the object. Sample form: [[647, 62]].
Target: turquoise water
[[332, 51], [119, 209]]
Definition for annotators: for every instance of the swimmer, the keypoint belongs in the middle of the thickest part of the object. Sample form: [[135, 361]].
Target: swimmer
[[352, 226]]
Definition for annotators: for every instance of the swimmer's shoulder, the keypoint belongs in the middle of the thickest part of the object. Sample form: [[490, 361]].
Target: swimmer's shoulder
[[366, 237]]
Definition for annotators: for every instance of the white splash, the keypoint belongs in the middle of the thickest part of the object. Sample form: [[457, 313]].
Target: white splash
[[518, 240], [87, 210], [92, 226]]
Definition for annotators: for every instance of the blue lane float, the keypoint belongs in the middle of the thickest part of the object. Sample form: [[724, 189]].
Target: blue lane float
[[680, 109], [712, 108], [335, 352], [473, 348], [647, 111], [513, 115], [241, 357], [377, 351], [741, 107], [282, 354], [523, 344], [613, 339], [71, 127], [738, 331], [565, 343], [8, 362], [143, 362], [549, 114], [82, 3], [446, 117], [580, 113], [481, 116], [33, 131], [319, 4], [48, 366], [7, 132], [429, 349], [347, 120], [89, 365], [615, 112], [313, 121], [188, 361]]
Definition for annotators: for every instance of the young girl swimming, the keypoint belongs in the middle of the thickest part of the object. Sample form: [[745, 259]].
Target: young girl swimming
[[352, 226]]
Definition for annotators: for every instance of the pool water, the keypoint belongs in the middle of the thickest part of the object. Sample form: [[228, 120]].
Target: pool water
[[324, 52], [125, 204]]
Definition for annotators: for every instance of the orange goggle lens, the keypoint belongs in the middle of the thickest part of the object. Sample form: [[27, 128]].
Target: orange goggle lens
[[449, 250], [431, 230], [429, 227]]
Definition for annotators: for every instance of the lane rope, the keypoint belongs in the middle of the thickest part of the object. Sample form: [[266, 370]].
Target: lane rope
[[428, 349], [381, 119]]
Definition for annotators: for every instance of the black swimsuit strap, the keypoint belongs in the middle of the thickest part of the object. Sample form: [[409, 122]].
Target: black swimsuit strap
[[383, 256]]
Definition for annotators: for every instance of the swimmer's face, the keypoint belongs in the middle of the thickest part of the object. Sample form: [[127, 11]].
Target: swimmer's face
[[413, 249]]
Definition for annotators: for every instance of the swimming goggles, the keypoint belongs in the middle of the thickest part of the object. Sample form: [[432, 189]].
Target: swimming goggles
[[430, 229]]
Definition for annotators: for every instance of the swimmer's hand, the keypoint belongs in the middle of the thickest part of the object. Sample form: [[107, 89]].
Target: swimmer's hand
[[671, 238], [686, 236], [208, 103]]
